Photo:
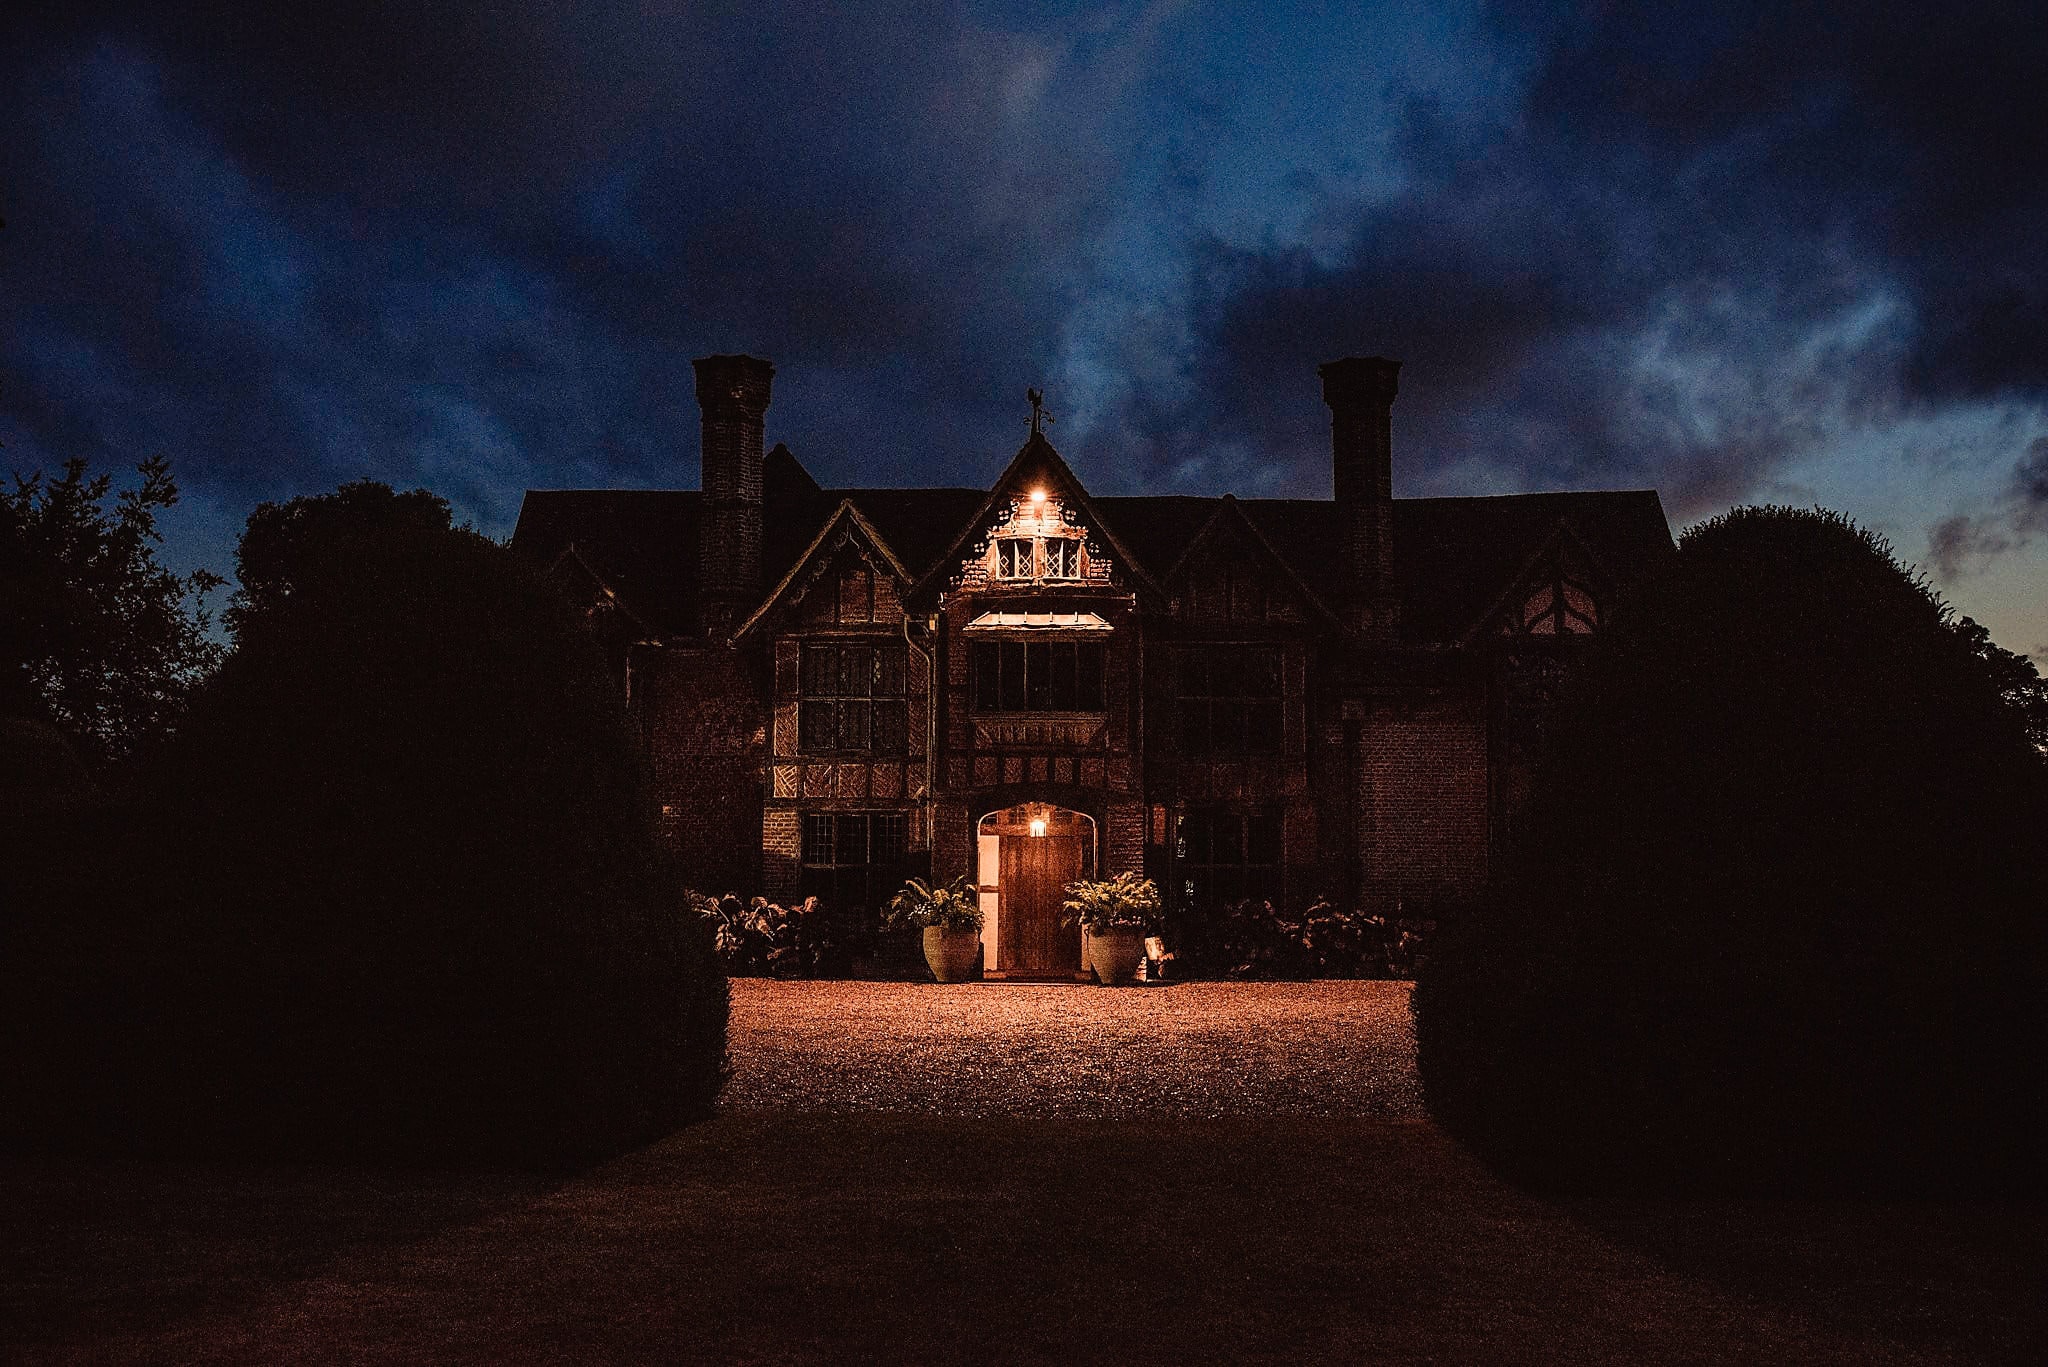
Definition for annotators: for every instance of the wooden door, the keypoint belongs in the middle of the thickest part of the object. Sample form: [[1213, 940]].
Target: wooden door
[[1035, 872]]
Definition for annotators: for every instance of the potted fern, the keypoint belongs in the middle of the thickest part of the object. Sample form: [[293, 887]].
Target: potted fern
[[950, 917], [1114, 914]]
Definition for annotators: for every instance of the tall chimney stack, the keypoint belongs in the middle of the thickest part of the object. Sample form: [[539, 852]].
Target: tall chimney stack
[[1360, 392], [732, 391]]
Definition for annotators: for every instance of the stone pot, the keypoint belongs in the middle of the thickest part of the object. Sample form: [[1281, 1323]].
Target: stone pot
[[954, 955], [1115, 955]]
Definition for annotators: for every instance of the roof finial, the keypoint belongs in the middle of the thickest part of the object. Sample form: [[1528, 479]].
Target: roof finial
[[1039, 417]]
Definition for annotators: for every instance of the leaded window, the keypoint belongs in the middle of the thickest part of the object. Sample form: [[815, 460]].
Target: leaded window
[[1050, 557], [1038, 676], [1556, 606], [1013, 558], [852, 860], [1062, 558], [1227, 856], [1230, 700], [851, 698]]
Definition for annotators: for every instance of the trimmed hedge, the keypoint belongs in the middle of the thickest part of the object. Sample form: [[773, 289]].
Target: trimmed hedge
[[403, 898], [1776, 918]]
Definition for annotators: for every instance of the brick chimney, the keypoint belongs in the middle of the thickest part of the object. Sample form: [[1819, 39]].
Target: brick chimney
[[733, 393], [1360, 392]]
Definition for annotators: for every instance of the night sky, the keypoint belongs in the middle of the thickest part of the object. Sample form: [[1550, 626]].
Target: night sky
[[1739, 253]]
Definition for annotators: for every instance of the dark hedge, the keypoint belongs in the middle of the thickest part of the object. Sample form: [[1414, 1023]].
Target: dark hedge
[[402, 896], [1775, 917]]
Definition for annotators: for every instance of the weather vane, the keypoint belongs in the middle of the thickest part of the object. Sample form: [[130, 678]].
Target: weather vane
[[1039, 417]]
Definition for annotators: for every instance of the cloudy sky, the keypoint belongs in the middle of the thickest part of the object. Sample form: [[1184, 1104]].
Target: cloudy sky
[[1739, 253]]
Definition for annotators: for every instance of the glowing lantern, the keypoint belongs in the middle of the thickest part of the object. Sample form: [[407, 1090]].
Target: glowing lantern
[[1038, 825]]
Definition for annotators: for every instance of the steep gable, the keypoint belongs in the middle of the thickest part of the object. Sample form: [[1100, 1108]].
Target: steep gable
[[1037, 484], [639, 543], [848, 575], [1229, 573], [1557, 592]]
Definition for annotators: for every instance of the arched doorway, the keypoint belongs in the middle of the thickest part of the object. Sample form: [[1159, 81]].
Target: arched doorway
[[1027, 854]]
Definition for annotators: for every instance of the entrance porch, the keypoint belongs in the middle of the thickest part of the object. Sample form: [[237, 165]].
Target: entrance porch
[[1025, 856]]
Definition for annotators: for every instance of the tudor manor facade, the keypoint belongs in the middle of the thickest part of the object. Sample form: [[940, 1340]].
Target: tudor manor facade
[[1026, 684]]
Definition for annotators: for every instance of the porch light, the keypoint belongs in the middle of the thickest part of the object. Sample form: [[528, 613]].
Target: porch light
[[1038, 825], [1038, 495]]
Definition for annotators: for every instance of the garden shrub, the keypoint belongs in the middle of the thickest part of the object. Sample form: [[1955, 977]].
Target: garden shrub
[[420, 909], [1256, 939], [757, 938], [1775, 917]]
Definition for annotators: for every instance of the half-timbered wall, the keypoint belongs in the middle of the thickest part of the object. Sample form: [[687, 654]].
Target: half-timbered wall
[[846, 619], [1225, 733]]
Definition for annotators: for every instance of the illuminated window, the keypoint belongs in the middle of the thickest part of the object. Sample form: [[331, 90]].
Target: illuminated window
[[1038, 676], [1013, 558], [1062, 558], [1230, 700], [1023, 557], [851, 698]]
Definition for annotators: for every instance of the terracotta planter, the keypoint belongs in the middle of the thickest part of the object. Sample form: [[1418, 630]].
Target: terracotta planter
[[954, 955], [1114, 955]]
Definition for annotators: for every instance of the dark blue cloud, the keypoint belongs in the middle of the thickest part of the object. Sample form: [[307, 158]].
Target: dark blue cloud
[[476, 247]]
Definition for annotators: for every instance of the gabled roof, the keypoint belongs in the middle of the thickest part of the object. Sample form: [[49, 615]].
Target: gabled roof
[[1453, 557], [1035, 459], [848, 516], [572, 560], [642, 543], [1564, 539], [1230, 513]]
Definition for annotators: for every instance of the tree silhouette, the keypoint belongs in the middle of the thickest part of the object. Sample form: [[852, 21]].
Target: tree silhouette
[[316, 543], [427, 899], [2015, 678], [96, 636], [1775, 918]]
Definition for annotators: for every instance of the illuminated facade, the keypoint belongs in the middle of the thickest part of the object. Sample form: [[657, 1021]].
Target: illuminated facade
[[1284, 698]]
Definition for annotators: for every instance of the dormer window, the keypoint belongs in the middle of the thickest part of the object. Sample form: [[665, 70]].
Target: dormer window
[[1013, 558], [1048, 557], [1062, 557]]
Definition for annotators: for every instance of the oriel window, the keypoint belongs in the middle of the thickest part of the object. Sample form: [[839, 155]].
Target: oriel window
[[1038, 676]]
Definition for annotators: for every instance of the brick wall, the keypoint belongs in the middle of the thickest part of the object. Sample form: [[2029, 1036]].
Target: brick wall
[[781, 853], [1422, 810], [1123, 839], [952, 842]]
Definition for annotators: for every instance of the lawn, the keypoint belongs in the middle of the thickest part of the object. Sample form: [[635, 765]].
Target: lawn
[[997, 1173]]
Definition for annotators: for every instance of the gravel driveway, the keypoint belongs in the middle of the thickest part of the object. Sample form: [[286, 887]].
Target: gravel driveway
[[994, 1049]]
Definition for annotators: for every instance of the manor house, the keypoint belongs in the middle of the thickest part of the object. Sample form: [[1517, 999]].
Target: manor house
[[1280, 698]]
